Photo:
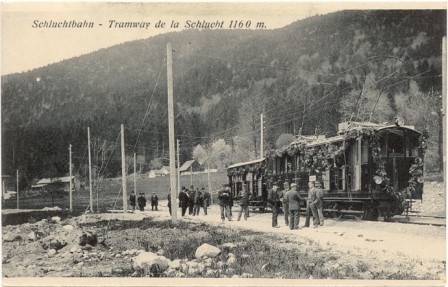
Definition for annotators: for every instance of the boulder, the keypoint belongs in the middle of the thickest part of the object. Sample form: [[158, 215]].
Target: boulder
[[88, 238], [207, 250], [231, 261], [175, 264], [68, 227], [210, 273], [161, 252], [148, 259], [51, 252], [32, 236], [55, 219], [10, 237], [247, 275], [58, 243]]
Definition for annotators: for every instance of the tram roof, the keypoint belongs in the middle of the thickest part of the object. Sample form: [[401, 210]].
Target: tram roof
[[245, 163]]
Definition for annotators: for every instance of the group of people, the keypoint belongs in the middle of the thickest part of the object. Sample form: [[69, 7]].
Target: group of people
[[290, 198], [140, 201], [192, 199]]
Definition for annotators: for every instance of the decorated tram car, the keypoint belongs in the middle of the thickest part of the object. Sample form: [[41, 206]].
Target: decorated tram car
[[367, 170]]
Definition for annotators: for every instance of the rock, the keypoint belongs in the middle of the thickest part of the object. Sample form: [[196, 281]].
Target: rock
[[118, 255], [52, 252], [161, 252], [86, 248], [135, 274], [80, 264], [230, 255], [235, 276], [58, 243], [247, 275], [73, 249], [192, 264], [68, 227], [175, 264], [230, 271], [220, 265], [245, 256], [10, 237], [148, 259], [366, 275], [207, 250], [32, 236], [55, 219], [210, 273], [231, 261], [193, 271], [264, 267]]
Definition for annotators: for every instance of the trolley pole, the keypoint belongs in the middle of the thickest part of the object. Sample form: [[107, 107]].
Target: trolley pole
[[169, 72], [178, 169], [17, 180], [261, 135], [70, 176], [123, 172], [135, 172], [90, 171]]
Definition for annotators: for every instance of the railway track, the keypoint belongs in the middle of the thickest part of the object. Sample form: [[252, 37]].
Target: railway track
[[420, 220]]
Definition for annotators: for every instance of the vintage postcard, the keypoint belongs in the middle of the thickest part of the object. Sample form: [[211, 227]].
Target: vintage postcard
[[216, 144]]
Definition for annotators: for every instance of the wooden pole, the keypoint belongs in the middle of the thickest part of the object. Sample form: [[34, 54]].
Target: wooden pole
[[178, 168], [123, 172], [169, 77], [135, 172], [209, 183], [191, 175], [261, 136], [17, 180], [90, 171], [70, 177]]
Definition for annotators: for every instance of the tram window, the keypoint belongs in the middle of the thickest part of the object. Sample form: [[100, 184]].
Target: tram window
[[396, 143], [365, 152]]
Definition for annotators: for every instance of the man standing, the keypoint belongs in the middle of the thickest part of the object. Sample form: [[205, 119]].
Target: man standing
[[285, 202], [197, 201], [224, 201], [310, 206], [169, 200], [274, 203], [244, 203], [190, 200], [183, 200], [319, 202], [205, 200], [293, 199], [132, 200], [154, 201]]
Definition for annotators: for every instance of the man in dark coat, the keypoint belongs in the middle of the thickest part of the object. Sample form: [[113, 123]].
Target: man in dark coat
[[244, 203], [141, 201], [169, 200], [224, 201], [132, 200], [154, 201], [197, 201], [183, 200], [293, 199], [285, 202], [205, 200], [311, 206], [274, 204], [190, 200]]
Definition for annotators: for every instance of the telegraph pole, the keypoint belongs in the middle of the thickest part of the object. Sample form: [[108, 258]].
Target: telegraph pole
[[178, 168], [70, 176], [17, 180], [123, 172], [261, 137], [169, 72], [90, 170], [135, 173]]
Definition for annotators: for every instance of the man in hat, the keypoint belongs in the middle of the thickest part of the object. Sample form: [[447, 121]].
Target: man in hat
[[154, 201], [293, 199], [183, 200], [274, 204], [169, 200], [132, 200], [319, 202], [190, 200], [205, 200], [285, 202], [197, 202], [244, 202], [224, 201], [311, 206]]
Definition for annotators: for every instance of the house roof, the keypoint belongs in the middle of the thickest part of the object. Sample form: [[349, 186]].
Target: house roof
[[63, 179], [158, 172], [167, 167], [186, 165]]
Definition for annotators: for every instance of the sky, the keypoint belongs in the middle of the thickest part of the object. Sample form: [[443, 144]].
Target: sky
[[24, 47]]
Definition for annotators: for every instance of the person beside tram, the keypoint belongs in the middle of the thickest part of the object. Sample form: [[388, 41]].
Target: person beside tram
[[293, 198], [311, 206], [274, 204], [244, 203], [319, 202], [224, 203], [285, 202]]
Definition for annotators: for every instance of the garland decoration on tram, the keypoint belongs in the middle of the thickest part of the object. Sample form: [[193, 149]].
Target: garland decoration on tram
[[416, 169]]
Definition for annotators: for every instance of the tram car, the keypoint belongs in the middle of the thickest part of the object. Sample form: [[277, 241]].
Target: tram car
[[368, 170]]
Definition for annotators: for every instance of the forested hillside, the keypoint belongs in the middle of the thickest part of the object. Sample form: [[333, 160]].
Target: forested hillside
[[314, 73]]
